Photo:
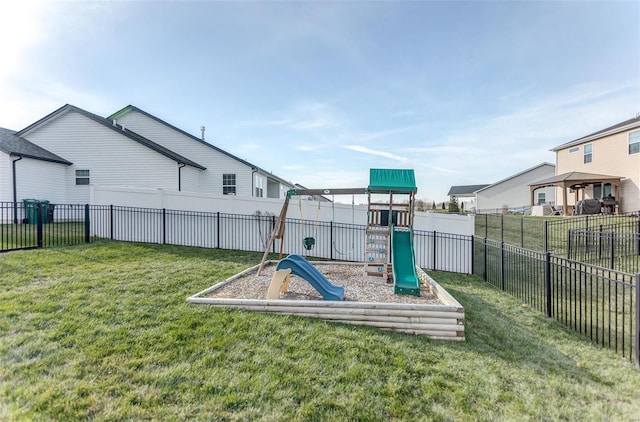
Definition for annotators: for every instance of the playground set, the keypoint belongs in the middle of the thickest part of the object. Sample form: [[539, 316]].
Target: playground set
[[389, 251]]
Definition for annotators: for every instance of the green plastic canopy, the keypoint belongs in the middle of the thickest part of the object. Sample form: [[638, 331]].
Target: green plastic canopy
[[392, 180]]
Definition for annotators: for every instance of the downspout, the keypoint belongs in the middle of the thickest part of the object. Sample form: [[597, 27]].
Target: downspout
[[253, 180], [180, 176], [15, 190]]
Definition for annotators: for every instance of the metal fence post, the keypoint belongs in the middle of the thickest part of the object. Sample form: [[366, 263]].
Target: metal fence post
[[545, 235], [435, 254], [522, 231], [39, 224], [599, 242], [87, 224], [612, 239], [637, 345], [473, 253], [111, 221], [501, 227], [484, 259], [218, 230], [586, 237], [486, 226], [164, 226], [547, 283], [502, 285]]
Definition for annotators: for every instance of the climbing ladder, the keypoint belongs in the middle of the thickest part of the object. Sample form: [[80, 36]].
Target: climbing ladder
[[381, 216]]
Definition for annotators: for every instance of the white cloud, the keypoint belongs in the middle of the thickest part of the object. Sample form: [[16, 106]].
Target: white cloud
[[365, 150]]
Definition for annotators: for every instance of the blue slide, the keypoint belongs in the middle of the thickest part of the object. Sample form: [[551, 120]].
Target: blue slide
[[302, 268]]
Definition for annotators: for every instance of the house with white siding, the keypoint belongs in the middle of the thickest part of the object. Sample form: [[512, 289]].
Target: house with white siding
[[60, 156], [513, 193], [103, 152], [226, 173], [28, 171]]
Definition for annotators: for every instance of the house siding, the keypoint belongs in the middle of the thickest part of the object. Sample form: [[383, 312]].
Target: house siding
[[111, 158], [217, 163], [35, 179], [6, 193], [41, 180], [190, 179], [610, 156], [515, 192]]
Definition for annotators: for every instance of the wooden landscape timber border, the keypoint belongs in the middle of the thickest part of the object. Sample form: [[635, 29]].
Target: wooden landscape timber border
[[443, 322]]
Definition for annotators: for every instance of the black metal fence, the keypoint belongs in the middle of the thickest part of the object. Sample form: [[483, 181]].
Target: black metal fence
[[606, 246], [599, 303], [331, 240], [71, 224], [553, 234], [37, 225]]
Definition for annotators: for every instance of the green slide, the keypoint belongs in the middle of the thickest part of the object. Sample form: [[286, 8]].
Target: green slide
[[403, 262]]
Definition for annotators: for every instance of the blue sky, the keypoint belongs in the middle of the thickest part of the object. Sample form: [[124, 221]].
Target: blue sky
[[319, 92]]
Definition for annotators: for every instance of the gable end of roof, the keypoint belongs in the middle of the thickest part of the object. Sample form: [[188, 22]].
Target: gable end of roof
[[117, 128], [629, 124]]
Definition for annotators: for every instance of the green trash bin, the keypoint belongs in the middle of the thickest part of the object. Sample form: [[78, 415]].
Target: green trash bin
[[31, 210], [45, 211]]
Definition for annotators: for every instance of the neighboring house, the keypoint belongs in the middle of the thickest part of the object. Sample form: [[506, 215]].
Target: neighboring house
[[608, 163], [28, 171], [226, 173], [514, 193], [58, 157], [103, 152], [466, 195]]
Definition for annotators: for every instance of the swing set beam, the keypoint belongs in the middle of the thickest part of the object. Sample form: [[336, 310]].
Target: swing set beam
[[312, 192], [278, 229]]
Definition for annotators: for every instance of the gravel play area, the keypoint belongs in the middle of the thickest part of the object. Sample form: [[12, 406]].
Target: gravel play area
[[358, 287]]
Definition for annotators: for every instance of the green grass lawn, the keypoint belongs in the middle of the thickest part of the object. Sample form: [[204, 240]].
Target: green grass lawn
[[103, 331]]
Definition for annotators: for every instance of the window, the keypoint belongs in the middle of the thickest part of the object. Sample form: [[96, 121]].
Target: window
[[597, 191], [228, 184], [542, 198], [574, 149], [606, 190], [634, 142], [588, 155], [259, 187], [82, 177]]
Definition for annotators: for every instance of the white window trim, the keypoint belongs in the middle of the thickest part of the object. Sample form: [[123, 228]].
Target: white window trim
[[636, 141], [228, 185], [80, 175]]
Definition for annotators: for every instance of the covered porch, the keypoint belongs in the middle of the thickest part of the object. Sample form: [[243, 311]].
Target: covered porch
[[578, 181]]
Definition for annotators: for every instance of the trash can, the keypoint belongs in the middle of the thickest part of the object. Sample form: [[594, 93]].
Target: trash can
[[31, 211], [45, 211]]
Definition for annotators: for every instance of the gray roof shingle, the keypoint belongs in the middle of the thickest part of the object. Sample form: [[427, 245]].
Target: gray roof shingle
[[465, 190]]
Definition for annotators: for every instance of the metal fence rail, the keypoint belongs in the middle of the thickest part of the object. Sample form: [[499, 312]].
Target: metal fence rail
[[600, 303], [611, 249], [552, 234], [37, 225], [335, 241]]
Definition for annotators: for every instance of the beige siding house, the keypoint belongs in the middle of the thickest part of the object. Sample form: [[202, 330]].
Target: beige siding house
[[611, 153]]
